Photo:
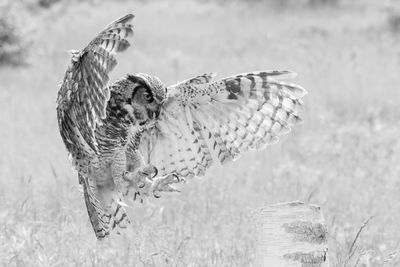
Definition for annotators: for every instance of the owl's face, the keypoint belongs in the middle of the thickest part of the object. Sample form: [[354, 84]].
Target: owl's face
[[145, 106], [147, 97]]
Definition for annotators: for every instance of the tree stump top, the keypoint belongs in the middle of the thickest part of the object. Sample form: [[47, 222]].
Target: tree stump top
[[291, 234]]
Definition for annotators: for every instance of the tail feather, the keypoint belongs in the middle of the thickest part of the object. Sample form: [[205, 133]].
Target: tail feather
[[103, 217]]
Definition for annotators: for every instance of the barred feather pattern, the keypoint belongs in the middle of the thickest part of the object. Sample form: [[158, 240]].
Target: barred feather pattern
[[102, 221], [83, 96], [103, 194], [81, 110], [203, 122]]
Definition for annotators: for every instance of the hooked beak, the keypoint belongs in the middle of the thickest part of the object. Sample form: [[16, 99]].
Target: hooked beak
[[157, 113], [153, 115]]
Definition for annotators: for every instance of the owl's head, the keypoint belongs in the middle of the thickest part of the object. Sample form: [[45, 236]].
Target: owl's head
[[147, 96]]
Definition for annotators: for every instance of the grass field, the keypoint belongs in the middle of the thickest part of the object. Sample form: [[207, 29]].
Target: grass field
[[345, 157]]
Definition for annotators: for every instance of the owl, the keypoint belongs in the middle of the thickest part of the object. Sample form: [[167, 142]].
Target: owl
[[136, 137]]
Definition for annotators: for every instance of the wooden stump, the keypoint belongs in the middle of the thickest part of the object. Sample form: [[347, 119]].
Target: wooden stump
[[291, 234]]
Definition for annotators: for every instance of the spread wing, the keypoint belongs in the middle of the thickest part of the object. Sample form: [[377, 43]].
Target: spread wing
[[83, 96], [203, 122], [81, 105]]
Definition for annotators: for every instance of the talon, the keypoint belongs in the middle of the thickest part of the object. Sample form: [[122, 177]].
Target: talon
[[124, 176], [156, 195], [178, 178], [156, 172], [142, 173], [142, 185]]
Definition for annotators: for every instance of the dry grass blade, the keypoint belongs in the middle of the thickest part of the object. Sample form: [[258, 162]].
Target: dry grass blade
[[353, 248]]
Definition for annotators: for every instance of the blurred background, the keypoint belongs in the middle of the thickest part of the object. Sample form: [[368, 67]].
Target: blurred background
[[344, 157]]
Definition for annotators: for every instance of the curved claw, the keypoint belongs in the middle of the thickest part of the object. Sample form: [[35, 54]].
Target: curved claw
[[148, 170], [135, 195], [178, 178], [156, 171], [124, 176]]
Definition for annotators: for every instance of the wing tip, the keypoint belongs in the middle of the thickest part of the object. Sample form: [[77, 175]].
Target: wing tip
[[288, 74], [299, 90], [124, 19]]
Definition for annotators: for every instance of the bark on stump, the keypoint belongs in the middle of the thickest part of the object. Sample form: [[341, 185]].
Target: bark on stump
[[291, 234]]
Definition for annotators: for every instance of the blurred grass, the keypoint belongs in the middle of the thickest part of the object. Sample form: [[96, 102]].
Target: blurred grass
[[344, 157]]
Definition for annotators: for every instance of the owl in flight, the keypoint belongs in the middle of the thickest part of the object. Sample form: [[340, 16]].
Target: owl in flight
[[136, 137]]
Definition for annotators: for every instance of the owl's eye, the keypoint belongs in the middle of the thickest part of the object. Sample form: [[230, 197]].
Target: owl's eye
[[148, 97]]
